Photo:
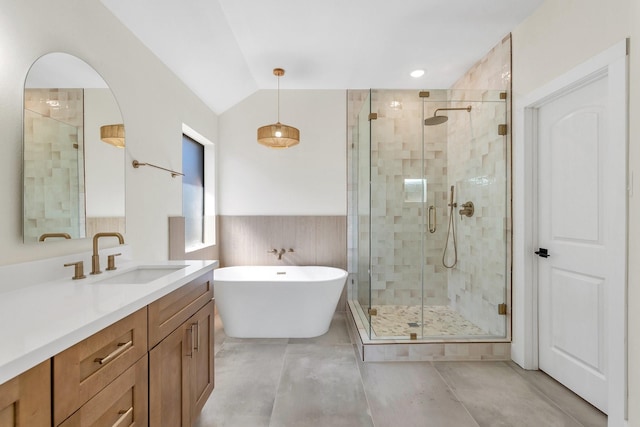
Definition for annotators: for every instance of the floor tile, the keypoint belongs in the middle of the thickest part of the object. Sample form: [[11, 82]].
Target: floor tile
[[246, 381], [569, 402], [321, 382], [411, 394], [320, 386], [495, 395]]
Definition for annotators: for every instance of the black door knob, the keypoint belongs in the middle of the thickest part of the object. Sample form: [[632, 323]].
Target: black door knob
[[542, 252]]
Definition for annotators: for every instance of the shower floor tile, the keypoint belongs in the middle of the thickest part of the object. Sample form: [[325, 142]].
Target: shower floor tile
[[439, 320]]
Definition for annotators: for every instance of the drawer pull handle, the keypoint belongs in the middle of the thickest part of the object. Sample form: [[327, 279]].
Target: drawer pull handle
[[190, 330], [123, 416], [196, 334], [122, 347]]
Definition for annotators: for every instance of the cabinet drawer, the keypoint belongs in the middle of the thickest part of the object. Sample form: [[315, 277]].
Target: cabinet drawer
[[171, 311], [123, 403], [26, 399], [86, 368]]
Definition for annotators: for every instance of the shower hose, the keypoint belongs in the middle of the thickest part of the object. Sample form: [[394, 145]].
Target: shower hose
[[451, 231]]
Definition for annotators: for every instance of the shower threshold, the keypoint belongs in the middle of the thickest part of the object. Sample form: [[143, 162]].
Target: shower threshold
[[390, 349]]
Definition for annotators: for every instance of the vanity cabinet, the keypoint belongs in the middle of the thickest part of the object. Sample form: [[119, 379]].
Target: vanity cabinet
[[153, 367], [26, 399], [181, 364], [87, 368]]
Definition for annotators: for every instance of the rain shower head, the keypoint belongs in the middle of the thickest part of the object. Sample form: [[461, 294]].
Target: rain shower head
[[436, 120]]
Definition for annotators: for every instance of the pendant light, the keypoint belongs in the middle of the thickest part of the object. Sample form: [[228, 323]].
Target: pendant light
[[113, 134], [278, 135]]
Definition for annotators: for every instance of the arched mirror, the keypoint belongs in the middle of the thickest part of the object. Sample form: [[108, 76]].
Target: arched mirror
[[73, 152]]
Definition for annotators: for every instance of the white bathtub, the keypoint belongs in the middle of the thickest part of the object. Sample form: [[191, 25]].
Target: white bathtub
[[277, 302]]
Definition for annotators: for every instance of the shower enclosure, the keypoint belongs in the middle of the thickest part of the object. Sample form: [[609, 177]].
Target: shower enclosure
[[429, 214]]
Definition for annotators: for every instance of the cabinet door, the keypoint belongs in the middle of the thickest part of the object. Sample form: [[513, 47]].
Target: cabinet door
[[201, 325], [26, 399], [169, 380], [181, 372], [123, 403], [172, 310]]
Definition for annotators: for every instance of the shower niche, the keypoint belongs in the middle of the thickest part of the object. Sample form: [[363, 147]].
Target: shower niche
[[429, 214]]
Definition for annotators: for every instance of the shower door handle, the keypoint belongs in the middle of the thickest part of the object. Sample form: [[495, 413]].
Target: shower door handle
[[432, 219], [542, 252]]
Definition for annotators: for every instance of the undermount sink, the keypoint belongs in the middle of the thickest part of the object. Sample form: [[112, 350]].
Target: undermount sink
[[141, 274]]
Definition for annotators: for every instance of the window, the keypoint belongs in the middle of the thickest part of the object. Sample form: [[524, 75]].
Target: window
[[198, 202], [193, 192]]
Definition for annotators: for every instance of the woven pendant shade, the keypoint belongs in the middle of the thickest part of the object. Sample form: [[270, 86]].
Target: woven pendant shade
[[113, 134], [278, 135]]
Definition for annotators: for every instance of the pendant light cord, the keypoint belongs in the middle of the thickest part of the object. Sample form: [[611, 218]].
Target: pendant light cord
[[278, 99]]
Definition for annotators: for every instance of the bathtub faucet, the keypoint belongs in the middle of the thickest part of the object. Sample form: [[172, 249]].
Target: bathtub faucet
[[280, 253]]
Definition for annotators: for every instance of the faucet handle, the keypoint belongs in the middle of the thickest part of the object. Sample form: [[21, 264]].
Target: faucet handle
[[79, 270], [111, 262], [272, 251]]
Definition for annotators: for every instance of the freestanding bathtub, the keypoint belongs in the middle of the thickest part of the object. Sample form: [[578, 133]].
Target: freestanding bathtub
[[277, 302]]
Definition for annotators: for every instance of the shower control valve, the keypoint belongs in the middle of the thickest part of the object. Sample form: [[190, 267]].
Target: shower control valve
[[467, 209]]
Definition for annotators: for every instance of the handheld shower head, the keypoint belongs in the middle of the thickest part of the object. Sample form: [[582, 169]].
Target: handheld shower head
[[436, 120]]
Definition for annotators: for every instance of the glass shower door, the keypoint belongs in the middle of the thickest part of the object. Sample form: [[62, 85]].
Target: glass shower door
[[397, 214], [471, 239]]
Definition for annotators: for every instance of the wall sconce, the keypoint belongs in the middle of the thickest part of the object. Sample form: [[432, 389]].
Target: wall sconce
[[113, 134], [278, 135]]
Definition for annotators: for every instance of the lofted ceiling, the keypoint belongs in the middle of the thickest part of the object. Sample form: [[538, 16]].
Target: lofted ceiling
[[225, 50]]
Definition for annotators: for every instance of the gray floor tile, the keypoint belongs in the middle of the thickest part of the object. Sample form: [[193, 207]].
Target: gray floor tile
[[319, 382], [411, 394], [320, 386], [246, 381], [569, 402], [496, 395]]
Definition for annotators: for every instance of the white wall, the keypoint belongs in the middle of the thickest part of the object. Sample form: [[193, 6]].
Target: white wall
[[104, 163], [154, 104], [559, 36], [307, 179]]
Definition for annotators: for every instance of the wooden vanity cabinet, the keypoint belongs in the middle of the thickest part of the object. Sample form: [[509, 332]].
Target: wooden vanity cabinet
[[26, 399], [87, 368], [181, 364], [154, 367]]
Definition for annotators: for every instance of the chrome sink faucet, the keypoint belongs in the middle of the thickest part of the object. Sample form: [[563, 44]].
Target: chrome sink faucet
[[95, 258]]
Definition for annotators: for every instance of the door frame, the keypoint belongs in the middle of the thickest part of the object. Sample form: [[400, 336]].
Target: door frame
[[613, 62]]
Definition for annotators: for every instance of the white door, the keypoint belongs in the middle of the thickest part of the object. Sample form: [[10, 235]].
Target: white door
[[581, 223]]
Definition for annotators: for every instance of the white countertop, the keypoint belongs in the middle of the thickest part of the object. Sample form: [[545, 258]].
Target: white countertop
[[39, 321]]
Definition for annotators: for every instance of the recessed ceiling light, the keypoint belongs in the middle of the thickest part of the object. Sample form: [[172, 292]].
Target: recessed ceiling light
[[417, 73]]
